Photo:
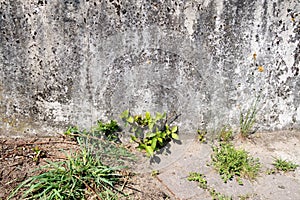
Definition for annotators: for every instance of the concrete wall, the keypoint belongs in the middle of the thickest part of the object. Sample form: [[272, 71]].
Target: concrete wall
[[68, 62]]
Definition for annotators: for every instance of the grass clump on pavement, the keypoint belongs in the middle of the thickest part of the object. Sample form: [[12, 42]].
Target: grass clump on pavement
[[284, 165], [218, 196], [194, 176], [200, 178], [230, 162]]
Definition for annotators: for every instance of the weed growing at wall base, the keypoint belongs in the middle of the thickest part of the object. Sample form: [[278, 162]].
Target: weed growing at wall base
[[108, 130], [226, 134], [248, 119], [150, 133]]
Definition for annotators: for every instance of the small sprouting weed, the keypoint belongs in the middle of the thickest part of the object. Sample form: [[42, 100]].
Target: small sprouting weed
[[72, 131], [38, 154], [201, 136], [218, 196], [154, 173], [200, 178], [226, 134], [109, 129], [270, 171], [36, 149], [194, 176], [245, 196], [284, 165]]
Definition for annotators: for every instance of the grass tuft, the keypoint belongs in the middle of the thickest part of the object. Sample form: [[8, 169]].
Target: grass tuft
[[226, 134], [284, 165], [248, 119], [80, 176]]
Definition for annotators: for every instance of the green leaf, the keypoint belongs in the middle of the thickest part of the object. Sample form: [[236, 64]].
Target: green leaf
[[175, 136], [150, 135], [158, 116], [167, 127], [149, 150], [138, 119], [160, 140], [130, 119], [142, 146], [167, 131], [148, 115], [151, 124], [133, 138], [174, 129], [153, 144], [125, 114]]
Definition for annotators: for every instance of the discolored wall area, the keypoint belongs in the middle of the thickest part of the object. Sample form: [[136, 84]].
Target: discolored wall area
[[73, 62]]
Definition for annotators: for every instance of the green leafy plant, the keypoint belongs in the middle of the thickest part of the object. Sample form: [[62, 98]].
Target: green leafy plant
[[110, 130], [271, 171], [248, 119], [194, 176], [218, 196], [201, 136], [150, 133], [245, 196], [198, 177], [107, 130], [104, 140], [155, 172], [226, 134], [38, 154], [72, 132], [230, 162], [78, 177], [284, 165]]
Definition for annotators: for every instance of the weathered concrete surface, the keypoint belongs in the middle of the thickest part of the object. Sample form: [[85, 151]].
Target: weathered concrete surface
[[76, 61], [192, 156]]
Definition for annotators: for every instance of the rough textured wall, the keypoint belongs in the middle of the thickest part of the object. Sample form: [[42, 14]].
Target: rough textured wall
[[76, 61]]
